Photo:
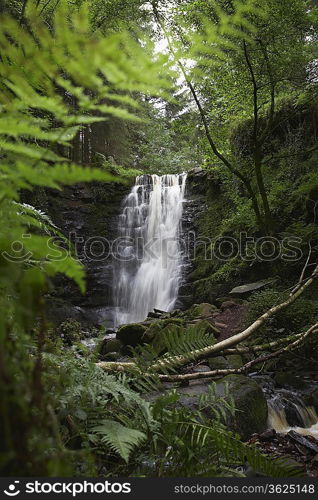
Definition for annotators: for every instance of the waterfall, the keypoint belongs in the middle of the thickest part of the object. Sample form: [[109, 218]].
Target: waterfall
[[277, 418], [148, 265]]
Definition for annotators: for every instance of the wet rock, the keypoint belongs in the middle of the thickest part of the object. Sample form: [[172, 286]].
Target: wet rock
[[267, 435], [249, 288], [303, 441], [251, 415], [290, 379], [250, 403], [131, 335], [113, 345]]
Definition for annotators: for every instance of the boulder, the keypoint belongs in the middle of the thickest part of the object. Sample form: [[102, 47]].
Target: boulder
[[131, 335], [203, 310], [248, 397], [249, 401], [157, 327], [112, 345]]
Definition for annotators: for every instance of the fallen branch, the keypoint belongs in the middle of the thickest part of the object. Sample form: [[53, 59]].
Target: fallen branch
[[235, 339], [261, 347], [224, 345], [244, 368]]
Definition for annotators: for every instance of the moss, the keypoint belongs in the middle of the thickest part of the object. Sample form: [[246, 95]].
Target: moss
[[112, 345], [204, 309], [69, 331], [225, 362], [159, 325], [131, 334], [250, 403], [294, 318]]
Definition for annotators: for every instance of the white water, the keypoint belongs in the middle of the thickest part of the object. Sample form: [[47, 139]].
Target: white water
[[150, 220], [277, 419]]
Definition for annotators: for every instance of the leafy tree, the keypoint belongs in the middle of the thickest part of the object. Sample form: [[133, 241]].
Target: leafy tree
[[242, 68]]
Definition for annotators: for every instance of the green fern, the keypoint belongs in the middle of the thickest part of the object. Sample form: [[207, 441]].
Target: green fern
[[119, 438]]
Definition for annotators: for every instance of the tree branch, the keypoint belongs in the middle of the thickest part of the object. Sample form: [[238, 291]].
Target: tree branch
[[244, 368]]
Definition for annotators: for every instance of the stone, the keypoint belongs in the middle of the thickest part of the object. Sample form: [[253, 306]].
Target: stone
[[131, 334], [218, 324], [225, 362], [203, 310], [249, 401], [201, 369], [218, 363], [268, 435], [113, 345], [249, 288], [235, 361], [228, 304]]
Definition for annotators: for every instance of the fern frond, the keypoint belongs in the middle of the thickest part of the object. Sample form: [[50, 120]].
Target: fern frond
[[119, 438]]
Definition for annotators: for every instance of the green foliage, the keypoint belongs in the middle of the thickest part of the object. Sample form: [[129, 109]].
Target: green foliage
[[54, 80], [294, 319], [119, 438]]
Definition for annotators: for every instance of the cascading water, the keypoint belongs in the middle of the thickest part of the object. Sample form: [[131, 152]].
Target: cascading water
[[148, 272], [307, 417]]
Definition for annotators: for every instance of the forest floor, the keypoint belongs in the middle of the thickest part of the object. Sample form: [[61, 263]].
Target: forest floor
[[230, 320]]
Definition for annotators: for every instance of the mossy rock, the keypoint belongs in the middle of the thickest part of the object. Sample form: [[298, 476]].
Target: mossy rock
[[112, 345], [235, 361], [201, 310], [248, 397], [131, 335], [225, 362], [112, 356], [218, 363], [158, 326], [250, 403]]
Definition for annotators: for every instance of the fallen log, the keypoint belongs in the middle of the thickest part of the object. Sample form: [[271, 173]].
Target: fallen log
[[224, 345], [243, 369]]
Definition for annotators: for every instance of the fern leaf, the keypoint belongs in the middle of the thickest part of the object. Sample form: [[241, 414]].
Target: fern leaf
[[119, 438]]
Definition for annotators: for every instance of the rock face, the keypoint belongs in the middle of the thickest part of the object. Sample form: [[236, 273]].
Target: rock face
[[249, 400], [87, 214]]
